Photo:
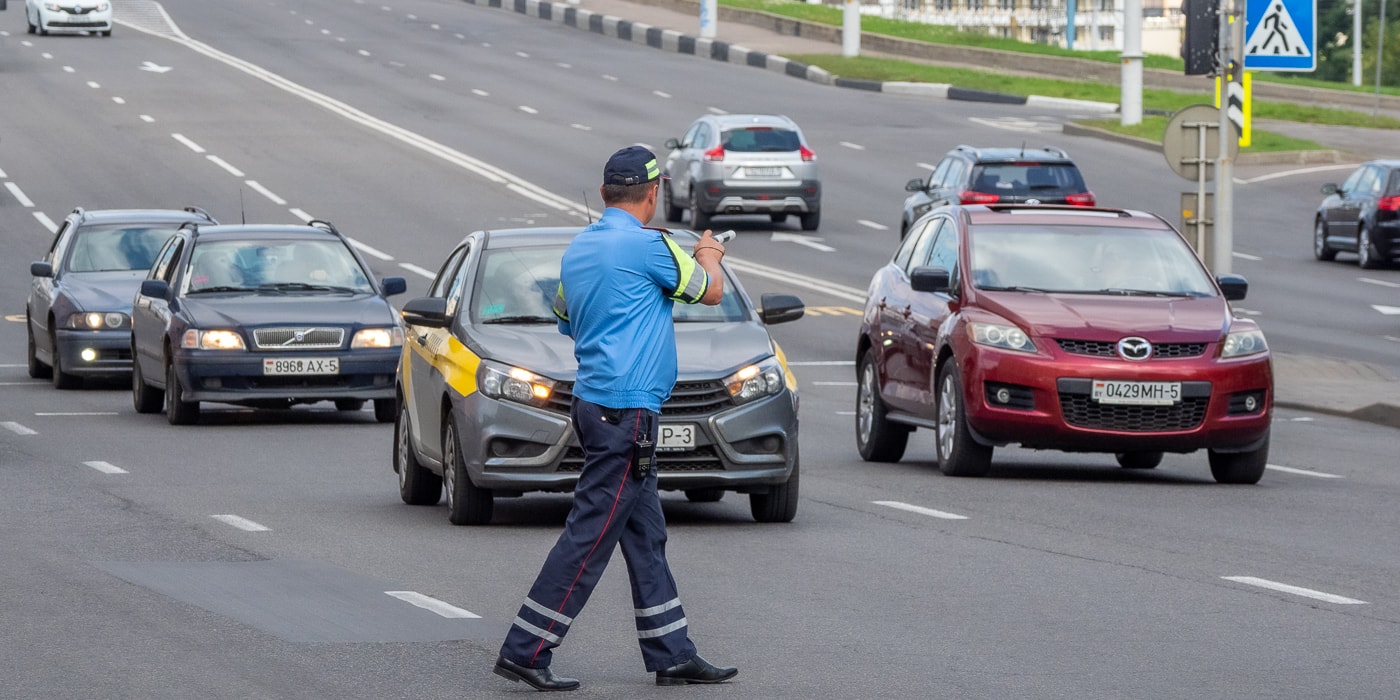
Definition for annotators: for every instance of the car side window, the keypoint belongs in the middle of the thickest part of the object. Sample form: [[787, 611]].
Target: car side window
[[957, 172], [60, 243], [1370, 183], [169, 263], [940, 173], [944, 253], [162, 262], [1349, 185], [704, 136], [459, 286], [927, 236], [689, 140], [447, 273]]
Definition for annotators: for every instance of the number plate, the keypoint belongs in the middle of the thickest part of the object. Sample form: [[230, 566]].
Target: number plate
[[1137, 393], [764, 172], [676, 436], [301, 365]]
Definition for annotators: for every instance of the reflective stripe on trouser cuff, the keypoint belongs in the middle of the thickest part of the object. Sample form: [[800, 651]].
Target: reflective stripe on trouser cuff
[[556, 616], [658, 632], [648, 612], [547, 636]]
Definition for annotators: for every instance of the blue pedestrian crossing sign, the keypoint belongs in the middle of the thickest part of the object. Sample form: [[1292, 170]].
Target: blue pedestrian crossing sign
[[1280, 35]]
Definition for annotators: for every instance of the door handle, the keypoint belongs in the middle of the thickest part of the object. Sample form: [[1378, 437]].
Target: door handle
[[422, 339]]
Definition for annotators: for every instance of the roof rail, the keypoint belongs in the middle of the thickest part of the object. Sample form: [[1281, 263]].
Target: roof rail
[[323, 224], [200, 211], [964, 147], [1057, 150], [79, 211]]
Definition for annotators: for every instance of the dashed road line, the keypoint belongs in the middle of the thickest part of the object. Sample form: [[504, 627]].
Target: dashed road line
[[225, 165], [872, 224], [528, 110], [1295, 590], [1246, 256], [301, 214], [240, 523], [106, 467], [46, 222], [69, 414], [370, 250], [418, 270], [188, 143], [432, 604], [920, 510], [1304, 472], [93, 85], [254, 186], [1382, 283], [19, 195], [852, 146], [16, 428]]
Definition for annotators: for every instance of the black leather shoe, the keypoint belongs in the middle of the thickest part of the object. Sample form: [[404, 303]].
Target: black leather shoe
[[537, 678], [696, 670]]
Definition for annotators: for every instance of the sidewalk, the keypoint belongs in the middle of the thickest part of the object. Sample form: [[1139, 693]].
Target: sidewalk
[[1317, 384]]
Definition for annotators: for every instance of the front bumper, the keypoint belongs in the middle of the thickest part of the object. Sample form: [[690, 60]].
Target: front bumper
[[513, 447], [1051, 406], [110, 352], [720, 197], [95, 21], [237, 377]]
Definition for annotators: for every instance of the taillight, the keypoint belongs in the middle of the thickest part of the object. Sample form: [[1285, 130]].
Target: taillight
[[970, 197], [1391, 203], [807, 154], [1083, 199], [716, 153]]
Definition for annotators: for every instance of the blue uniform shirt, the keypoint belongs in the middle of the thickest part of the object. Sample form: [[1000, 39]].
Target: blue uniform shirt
[[617, 282]]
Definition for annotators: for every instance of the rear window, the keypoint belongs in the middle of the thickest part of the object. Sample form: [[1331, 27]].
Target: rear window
[[760, 139], [1028, 179]]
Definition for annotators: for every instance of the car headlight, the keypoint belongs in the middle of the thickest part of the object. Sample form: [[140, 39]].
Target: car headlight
[[212, 340], [514, 384], [755, 381], [52, 6], [98, 320], [1244, 343], [999, 336], [378, 338], [102, 6]]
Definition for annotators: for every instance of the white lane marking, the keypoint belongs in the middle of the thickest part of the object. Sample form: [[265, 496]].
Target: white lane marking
[[16, 428], [46, 222], [1382, 283], [93, 85], [581, 127], [480, 93], [613, 78], [564, 65], [920, 510], [871, 224], [522, 54], [1295, 590], [1300, 419], [363, 52], [254, 186], [106, 467], [1247, 312], [852, 146], [822, 363], [325, 32], [36, 382], [240, 523], [432, 604], [418, 270], [2, 173], [68, 69], [62, 414], [225, 165], [1387, 310], [369, 250], [148, 118], [801, 240], [845, 413], [716, 110], [528, 110], [926, 166], [1290, 173], [119, 100], [301, 214], [661, 94], [19, 194], [833, 383], [1391, 338], [435, 76], [1246, 256], [1304, 472], [188, 143]]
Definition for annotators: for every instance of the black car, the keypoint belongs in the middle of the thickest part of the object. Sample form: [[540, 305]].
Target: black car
[[969, 175], [1361, 215], [266, 316], [79, 310]]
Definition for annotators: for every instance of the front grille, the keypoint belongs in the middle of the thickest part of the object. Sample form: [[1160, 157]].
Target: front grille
[[1082, 411], [687, 398], [1104, 348], [298, 338], [698, 459]]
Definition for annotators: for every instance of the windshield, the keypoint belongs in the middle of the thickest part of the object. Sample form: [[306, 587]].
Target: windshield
[[277, 266], [1028, 179], [114, 248], [517, 285], [1086, 259]]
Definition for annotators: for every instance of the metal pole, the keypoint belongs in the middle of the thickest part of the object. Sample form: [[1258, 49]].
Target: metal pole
[[1201, 164], [1356, 44], [1131, 105], [1230, 45], [1094, 25], [850, 29], [709, 18], [1069, 24], [1380, 56]]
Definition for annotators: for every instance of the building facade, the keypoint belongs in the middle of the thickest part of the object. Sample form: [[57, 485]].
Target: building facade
[[1098, 23]]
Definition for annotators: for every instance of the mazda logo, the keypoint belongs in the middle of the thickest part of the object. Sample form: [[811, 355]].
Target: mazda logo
[[1134, 349]]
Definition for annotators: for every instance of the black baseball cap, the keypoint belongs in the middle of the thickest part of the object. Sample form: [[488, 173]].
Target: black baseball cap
[[632, 165]]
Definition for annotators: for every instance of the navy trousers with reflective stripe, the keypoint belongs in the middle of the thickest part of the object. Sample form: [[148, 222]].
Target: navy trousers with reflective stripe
[[611, 507]]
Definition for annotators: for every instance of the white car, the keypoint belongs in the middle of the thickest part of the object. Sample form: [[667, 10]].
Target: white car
[[46, 16]]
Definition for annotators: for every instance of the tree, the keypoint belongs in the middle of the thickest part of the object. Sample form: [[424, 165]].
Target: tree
[[1335, 43]]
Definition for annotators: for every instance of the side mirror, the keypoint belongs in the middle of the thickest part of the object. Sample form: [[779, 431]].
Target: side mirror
[[40, 268], [781, 308], [393, 285], [1234, 287], [425, 311], [931, 279], [673, 144], [915, 185], [1330, 188], [155, 288]]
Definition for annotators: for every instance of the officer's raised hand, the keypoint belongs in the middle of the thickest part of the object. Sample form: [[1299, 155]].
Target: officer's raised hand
[[708, 252]]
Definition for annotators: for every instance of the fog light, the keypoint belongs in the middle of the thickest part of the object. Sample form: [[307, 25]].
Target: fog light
[[88, 354], [1003, 395], [1250, 403]]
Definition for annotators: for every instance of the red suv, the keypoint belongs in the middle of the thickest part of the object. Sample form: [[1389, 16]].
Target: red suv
[[1068, 328]]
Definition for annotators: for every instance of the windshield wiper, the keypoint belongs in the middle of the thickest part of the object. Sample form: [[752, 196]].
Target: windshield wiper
[[223, 288], [304, 287], [1137, 292], [520, 319], [1014, 288]]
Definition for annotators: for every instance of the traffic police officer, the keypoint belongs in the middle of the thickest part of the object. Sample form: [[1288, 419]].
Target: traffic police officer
[[618, 280]]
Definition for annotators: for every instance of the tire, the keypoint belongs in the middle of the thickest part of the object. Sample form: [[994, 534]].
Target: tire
[[349, 404], [1321, 250], [466, 503], [699, 220], [704, 495], [877, 438], [37, 369], [810, 222], [30, 22], [386, 410], [61, 379], [777, 218], [1366, 254], [178, 411], [779, 504], [417, 485], [107, 33], [1239, 467], [958, 453], [1138, 460], [146, 398], [673, 212]]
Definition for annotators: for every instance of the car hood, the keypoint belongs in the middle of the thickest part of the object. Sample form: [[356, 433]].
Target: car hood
[[291, 309], [103, 291], [703, 350], [1110, 318]]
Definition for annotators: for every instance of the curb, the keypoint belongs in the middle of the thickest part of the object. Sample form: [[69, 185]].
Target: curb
[[1271, 158], [1383, 414]]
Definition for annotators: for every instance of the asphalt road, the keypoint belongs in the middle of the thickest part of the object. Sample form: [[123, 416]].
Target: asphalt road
[[267, 555]]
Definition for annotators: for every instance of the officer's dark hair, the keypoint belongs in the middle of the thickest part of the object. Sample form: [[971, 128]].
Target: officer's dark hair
[[627, 194]]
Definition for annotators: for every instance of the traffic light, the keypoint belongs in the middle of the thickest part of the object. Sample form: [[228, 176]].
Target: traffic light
[[1202, 36]]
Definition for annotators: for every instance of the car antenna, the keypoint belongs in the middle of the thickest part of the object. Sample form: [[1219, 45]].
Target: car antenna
[[586, 208], [242, 212], [1023, 150]]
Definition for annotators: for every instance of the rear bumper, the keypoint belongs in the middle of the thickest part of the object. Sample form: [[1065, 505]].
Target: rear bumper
[[238, 377], [719, 197], [110, 351]]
